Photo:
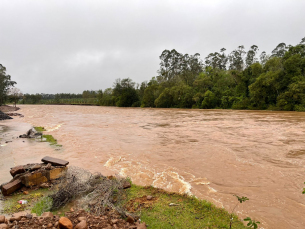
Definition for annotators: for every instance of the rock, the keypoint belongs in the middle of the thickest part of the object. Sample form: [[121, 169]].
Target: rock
[[65, 223], [44, 185], [47, 215], [130, 219], [114, 221], [34, 178], [3, 226], [18, 218], [35, 167], [11, 187], [54, 161], [149, 197], [141, 226], [2, 218], [56, 173], [17, 170], [126, 184], [81, 219], [71, 209], [48, 167], [20, 214], [49, 225], [81, 225]]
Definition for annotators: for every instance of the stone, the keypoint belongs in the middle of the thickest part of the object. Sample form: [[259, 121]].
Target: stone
[[54, 161], [56, 173], [65, 223], [35, 167], [81, 219], [11, 187], [2, 218], [17, 170], [12, 219], [35, 178], [44, 185], [130, 219], [20, 214], [81, 225], [3, 226], [126, 184], [47, 215], [48, 166], [149, 197], [49, 225], [141, 226]]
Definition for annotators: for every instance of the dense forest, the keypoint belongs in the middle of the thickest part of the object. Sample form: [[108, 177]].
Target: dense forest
[[238, 80]]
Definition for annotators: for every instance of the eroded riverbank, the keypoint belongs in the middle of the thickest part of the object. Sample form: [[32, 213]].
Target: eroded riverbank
[[212, 154]]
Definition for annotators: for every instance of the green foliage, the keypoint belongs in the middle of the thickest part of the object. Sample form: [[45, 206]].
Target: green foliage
[[39, 128], [5, 84], [238, 80], [251, 223], [241, 199], [44, 205]]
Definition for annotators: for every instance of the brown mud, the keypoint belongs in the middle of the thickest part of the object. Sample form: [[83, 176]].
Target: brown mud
[[212, 154]]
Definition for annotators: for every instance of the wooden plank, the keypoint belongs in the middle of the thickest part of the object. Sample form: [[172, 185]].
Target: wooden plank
[[54, 161], [11, 187]]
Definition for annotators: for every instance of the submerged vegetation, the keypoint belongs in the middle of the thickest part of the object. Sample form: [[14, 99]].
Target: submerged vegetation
[[238, 80], [46, 137]]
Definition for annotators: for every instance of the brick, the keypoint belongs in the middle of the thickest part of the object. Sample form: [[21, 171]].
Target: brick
[[54, 161], [56, 173], [17, 170], [34, 179], [11, 187]]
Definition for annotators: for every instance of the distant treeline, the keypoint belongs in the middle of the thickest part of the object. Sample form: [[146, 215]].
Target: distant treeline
[[238, 80]]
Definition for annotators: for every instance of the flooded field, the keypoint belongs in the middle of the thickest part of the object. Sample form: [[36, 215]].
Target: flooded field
[[212, 154]]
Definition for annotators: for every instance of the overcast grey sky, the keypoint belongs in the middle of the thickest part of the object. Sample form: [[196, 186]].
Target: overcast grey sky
[[69, 46]]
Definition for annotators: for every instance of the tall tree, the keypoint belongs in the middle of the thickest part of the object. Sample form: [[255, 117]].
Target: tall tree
[[236, 58], [5, 84], [251, 55]]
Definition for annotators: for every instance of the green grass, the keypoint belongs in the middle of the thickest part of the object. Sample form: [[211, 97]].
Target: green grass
[[50, 139], [11, 205], [39, 128], [190, 212], [43, 205]]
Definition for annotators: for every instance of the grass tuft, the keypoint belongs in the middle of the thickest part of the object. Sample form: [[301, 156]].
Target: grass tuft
[[185, 212]]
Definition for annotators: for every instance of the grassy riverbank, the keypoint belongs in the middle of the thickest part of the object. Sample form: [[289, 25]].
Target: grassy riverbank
[[164, 209]]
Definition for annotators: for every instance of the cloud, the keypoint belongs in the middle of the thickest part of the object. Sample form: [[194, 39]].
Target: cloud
[[71, 46]]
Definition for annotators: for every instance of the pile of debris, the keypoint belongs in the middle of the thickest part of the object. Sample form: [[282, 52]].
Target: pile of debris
[[31, 133], [77, 220], [35, 174], [4, 116]]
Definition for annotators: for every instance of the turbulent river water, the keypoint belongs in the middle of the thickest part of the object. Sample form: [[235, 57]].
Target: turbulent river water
[[211, 154]]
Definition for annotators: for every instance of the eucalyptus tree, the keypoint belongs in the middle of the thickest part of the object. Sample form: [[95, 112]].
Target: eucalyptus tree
[[251, 56], [280, 50], [236, 58], [5, 84]]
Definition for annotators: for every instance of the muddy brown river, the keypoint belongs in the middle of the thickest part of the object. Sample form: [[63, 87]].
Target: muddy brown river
[[211, 154]]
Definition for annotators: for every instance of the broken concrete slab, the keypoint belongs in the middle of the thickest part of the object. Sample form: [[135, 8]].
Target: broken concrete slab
[[11, 187], [17, 170], [56, 173], [54, 161], [35, 178]]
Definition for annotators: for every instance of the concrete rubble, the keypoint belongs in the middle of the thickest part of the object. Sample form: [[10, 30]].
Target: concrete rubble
[[34, 174]]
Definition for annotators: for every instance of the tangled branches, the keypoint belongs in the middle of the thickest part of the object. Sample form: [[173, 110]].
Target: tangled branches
[[94, 192]]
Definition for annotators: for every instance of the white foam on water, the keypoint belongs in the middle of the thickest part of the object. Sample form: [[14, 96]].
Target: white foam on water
[[112, 161], [50, 129]]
